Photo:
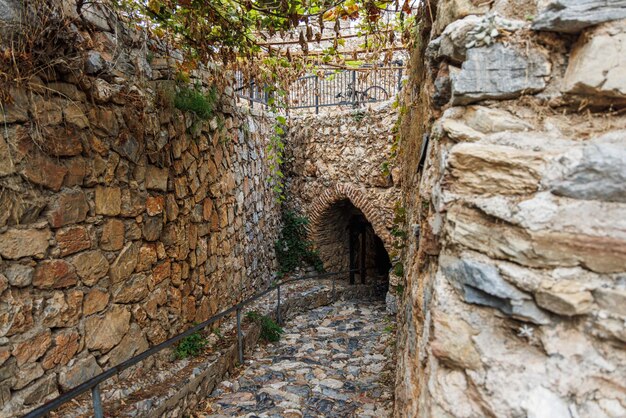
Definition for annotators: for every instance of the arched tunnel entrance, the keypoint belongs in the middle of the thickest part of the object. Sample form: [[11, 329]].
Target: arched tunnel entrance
[[346, 241]]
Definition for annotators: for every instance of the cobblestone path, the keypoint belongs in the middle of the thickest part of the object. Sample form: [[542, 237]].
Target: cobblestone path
[[333, 361]]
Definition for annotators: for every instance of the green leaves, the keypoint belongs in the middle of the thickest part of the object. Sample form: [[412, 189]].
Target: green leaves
[[229, 29], [292, 248], [270, 330], [190, 346], [193, 100]]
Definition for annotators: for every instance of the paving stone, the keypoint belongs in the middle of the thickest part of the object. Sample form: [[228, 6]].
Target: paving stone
[[307, 374]]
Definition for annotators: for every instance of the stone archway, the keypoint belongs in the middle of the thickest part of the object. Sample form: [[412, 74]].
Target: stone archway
[[333, 216], [359, 200]]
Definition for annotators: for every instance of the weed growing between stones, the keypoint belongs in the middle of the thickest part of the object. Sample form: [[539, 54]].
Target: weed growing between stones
[[190, 346], [358, 116], [292, 247], [191, 99], [218, 333], [270, 330], [398, 269]]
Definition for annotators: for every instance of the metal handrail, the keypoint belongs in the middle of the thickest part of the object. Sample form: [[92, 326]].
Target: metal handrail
[[107, 374]]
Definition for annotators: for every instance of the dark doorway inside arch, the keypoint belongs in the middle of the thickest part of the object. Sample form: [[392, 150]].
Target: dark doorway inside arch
[[347, 241]]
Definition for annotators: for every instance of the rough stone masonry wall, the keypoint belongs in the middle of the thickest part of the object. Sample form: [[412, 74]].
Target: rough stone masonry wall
[[122, 220], [515, 270], [339, 156]]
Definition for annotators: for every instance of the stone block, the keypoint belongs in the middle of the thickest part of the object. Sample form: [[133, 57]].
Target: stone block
[[80, 371], [63, 309], [54, 274], [499, 72], [77, 170], [127, 145], [46, 112], [161, 272], [73, 239], [475, 230], [68, 207], [132, 344], [90, 266], [152, 227], [30, 350], [108, 201], [19, 275], [613, 300], [156, 178], [41, 391], [16, 314], [543, 403], [94, 63], [596, 71], [147, 257], [484, 168], [482, 284], [596, 171], [74, 115], [565, 298], [17, 111], [452, 342], [133, 202], [21, 207], [131, 290], [62, 141], [155, 205], [453, 10], [26, 374], [470, 32], [104, 121], [65, 346], [44, 171], [95, 301], [112, 238], [18, 243], [106, 331], [125, 262], [572, 16], [102, 92]]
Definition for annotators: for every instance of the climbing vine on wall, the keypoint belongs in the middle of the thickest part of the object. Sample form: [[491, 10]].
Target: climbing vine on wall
[[276, 147], [292, 248]]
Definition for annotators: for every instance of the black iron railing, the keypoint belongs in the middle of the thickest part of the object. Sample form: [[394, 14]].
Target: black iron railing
[[93, 383], [348, 88]]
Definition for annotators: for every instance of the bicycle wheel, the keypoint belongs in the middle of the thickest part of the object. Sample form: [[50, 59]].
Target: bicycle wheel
[[375, 94]]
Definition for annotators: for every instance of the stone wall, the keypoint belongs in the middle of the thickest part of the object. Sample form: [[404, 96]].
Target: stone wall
[[122, 219], [340, 164], [515, 276]]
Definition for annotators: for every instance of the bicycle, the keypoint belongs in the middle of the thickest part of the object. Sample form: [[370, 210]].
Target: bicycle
[[355, 98]]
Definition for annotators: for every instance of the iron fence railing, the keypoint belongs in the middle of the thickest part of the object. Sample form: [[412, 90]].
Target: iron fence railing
[[93, 383], [348, 88]]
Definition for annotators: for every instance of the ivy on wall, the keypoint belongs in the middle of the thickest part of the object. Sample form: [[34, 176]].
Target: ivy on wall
[[292, 248]]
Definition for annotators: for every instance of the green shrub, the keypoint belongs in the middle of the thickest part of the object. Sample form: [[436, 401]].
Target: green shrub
[[292, 248], [270, 330], [190, 346], [193, 100]]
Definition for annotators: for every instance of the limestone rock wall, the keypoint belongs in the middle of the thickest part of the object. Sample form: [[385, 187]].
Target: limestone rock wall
[[515, 280], [122, 219]]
